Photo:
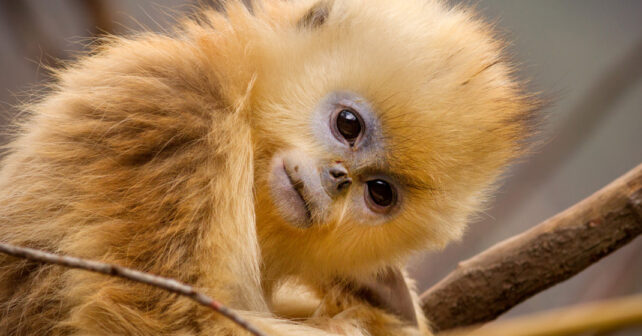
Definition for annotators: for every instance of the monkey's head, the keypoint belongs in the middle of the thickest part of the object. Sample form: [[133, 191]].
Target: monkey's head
[[381, 126]]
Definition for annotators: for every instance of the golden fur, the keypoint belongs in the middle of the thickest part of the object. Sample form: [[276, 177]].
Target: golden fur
[[153, 153]]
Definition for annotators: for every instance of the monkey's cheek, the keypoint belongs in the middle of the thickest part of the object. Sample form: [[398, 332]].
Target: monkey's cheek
[[287, 201]]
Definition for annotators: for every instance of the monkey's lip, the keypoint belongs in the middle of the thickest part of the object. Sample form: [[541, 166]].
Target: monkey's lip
[[289, 194], [297, 186]]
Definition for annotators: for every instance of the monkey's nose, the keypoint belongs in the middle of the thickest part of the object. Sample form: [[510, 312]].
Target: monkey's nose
[[336, 180]]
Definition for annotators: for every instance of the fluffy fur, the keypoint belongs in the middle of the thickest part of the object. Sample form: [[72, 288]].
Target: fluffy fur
[[153, 153]]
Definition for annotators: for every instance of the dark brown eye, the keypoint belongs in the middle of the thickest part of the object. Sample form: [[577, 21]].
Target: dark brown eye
[[348, 125], [380, 192]]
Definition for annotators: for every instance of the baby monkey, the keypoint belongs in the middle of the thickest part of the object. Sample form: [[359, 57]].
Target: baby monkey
[[306, 148]]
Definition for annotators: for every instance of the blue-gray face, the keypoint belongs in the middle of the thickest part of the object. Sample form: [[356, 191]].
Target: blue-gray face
[[304, 188]]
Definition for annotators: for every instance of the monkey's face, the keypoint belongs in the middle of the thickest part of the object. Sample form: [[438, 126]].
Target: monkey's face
[[348, 174], [379, 129]]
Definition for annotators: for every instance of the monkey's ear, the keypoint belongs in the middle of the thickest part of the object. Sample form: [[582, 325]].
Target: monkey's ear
[[315, 16]]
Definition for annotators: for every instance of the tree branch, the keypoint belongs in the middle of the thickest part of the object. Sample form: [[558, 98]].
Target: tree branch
[[489, 284], [167, 284], [597, 317]]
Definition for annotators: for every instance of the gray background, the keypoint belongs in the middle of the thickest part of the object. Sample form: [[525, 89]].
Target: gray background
[[584, 56]]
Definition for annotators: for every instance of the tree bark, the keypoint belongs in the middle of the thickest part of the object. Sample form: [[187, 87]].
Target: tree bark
[[489, 284]]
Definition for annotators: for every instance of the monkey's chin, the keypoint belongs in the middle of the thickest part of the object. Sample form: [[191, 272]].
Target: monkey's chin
[[288, 201]]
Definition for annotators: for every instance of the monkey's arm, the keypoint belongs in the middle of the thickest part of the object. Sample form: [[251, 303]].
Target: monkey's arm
[[136, 158]]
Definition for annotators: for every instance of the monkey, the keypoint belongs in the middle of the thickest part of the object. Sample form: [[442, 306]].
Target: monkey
[[307, 148]]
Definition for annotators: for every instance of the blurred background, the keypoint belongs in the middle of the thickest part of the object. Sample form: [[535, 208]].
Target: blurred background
[[584, 56]]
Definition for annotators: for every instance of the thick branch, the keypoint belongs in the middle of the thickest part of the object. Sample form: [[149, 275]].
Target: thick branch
[[487, 285], [167, 284]]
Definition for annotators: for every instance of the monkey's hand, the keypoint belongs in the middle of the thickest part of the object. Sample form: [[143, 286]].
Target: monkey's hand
[[383, 304]]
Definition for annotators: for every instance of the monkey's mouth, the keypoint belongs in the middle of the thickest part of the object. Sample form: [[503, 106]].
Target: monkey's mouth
[[290, 190], [299, 187]]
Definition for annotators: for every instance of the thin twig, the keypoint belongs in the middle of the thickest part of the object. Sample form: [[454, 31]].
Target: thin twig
[[167, 284]]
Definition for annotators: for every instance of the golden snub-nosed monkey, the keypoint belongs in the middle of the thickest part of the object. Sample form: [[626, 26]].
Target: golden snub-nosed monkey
[[306, 145]]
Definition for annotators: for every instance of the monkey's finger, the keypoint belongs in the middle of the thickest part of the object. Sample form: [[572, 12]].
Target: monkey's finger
[[388, 291]]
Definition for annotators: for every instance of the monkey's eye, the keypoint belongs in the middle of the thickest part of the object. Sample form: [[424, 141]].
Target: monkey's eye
[[379, 195], [348, 125]]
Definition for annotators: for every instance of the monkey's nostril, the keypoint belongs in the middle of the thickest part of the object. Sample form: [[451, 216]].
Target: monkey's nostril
[[338, 173], [336, 180]]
